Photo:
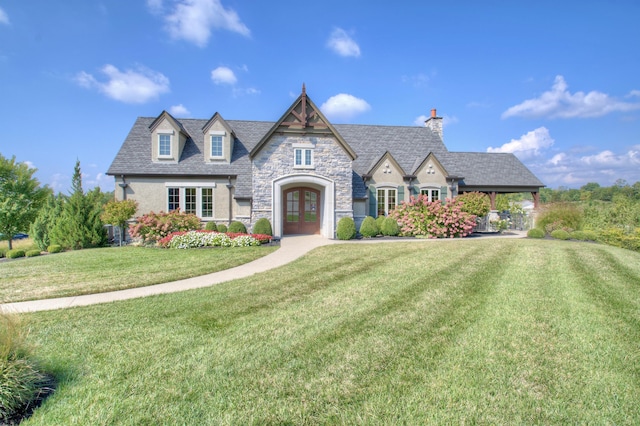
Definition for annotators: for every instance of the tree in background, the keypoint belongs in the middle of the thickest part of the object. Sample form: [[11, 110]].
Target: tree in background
[[117, 213], [45, 221], [21, 196], [79, 226]]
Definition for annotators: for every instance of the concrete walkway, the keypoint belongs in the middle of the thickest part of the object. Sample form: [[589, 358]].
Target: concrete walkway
[[291, 248]]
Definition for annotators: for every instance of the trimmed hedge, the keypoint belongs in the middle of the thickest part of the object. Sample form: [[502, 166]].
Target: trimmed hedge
[[32, 253], [54, 248], [346, 229], [263, 226], [211, 226], [535, 233], [390, 227], [3, 251], [560, 234], [380, 221], [237, 227], [14, 254], [369, 227], [222, 228]]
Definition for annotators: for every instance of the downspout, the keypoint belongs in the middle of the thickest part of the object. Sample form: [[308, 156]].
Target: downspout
[[123, 185], [230, 188]]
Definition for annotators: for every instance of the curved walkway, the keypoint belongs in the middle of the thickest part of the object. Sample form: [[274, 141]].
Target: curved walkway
[[291, 248]]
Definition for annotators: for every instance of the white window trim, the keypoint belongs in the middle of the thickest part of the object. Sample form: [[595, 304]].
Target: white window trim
[[386, 188], [304, 148], [221, 133], [431, 189], [169, 133], [182, 195]]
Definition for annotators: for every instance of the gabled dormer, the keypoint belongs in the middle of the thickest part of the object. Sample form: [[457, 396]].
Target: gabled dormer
[[431, 179], [218, 140], [168, 138], [387, 170]]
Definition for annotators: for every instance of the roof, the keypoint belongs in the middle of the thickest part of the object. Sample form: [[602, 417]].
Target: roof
[[409, 146]]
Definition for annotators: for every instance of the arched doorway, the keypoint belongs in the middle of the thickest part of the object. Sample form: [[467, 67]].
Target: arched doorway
[[301, 211]]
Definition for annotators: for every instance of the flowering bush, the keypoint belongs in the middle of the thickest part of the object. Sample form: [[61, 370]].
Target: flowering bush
[[203, 238], [152, 227], [475, 203], [432, 219]]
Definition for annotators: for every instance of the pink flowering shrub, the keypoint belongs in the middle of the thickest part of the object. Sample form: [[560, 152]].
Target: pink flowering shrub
[[421, 217], [152, 227]]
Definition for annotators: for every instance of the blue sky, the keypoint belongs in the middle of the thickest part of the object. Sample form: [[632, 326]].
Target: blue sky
[[555, 82]]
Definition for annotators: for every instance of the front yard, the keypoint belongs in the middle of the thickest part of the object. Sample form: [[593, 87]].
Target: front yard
[[473, 331]]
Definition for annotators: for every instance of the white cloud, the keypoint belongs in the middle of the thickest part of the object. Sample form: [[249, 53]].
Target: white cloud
[[573, 169], [135, 87], [344, 106], [179, 111], [560, 103], [342, 44], [4, 18], [223, 75], [194, 20], [529, 145]]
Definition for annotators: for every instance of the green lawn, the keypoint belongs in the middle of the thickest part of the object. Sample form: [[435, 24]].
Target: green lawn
[[115, 268], [462, 332]]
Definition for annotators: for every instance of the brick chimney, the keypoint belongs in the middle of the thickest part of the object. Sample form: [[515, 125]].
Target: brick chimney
[[434, 123]]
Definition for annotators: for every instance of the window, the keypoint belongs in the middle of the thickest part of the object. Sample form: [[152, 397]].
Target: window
[[216, 146], [303, 157], [174, 199], [194, 199], [386, 201], [190, 202], [164, 145], [207, 202], [432, 194]]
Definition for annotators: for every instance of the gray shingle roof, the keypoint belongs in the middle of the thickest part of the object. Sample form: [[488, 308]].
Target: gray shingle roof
[[408, 146]]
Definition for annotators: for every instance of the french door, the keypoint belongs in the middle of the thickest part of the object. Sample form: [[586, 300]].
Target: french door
[[301, 211]]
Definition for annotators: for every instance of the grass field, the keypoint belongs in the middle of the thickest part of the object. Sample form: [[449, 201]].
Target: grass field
[[465, 332], [114, 268]]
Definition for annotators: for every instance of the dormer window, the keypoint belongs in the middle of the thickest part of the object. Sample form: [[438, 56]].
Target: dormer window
[[217, 144], [164, 145]]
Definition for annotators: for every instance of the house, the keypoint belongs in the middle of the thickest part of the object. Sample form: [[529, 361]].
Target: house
[[302, 172]]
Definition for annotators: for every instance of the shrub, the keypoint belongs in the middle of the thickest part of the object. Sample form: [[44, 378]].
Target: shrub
[[369, 227], [32, 253], [211, 226], [421, 217], [14, 254], [3, 252], [222, 228], [54, 248], [380, 221], [390, 227], [590, 235], [346, 229], [262, 226], [152, 227], [237, 227], [475, 203], [565, 216], [560, 234], [535, 233], [619, 238], [20, 379]]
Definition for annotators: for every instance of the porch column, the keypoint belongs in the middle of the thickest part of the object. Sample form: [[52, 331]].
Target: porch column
[[492, 197], [536, 199]]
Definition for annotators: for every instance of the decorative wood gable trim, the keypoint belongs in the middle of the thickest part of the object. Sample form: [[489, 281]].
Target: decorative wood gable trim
[[303, 118]]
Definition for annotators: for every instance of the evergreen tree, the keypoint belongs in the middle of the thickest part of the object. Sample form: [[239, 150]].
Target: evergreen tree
[[46, 219], [79, 226]]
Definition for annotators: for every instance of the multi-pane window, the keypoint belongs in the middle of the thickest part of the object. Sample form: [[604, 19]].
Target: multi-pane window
[[194, 200], [207, 202], [386, 201], [432, 194], [216, 146], [190, 201], [174, 199], [303, 157], [164, 145]]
